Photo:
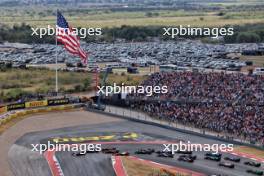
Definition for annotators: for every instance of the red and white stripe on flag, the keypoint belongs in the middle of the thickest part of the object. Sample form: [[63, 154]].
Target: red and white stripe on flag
[[71, 43]]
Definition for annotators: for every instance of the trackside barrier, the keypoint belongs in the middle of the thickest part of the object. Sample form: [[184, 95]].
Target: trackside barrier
[[20, 113], [167, 126], [34, 104]]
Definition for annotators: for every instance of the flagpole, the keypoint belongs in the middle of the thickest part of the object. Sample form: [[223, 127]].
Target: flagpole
[[56, 67]]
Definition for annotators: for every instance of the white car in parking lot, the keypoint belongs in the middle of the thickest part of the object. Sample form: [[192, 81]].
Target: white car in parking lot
[[258, 71]]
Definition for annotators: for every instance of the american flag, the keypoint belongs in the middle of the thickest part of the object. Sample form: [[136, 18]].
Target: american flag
[[69, 38]]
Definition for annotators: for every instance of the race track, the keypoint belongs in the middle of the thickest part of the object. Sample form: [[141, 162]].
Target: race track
[[91, 163]]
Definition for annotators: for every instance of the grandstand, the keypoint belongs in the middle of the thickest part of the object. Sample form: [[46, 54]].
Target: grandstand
[[221, 102]]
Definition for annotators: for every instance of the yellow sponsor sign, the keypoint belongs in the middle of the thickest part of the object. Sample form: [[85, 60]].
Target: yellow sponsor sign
[[130, 136], [33, 104], [3, 109], [95, 138]]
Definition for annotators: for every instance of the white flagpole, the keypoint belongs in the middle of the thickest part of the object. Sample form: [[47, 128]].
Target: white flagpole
[[56, 54]]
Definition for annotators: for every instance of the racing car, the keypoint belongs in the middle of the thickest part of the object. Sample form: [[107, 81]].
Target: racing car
[[213, 158], [219, 155], [255, 172], [78, 153], [165, 154], [122, 154], [251, 163], [234, 159], [184, 152], [187, 158], [110, 151], [226, 164], [145, 151]]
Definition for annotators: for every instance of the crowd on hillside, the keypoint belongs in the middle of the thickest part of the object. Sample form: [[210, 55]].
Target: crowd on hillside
[[229, 103], [210, 86]]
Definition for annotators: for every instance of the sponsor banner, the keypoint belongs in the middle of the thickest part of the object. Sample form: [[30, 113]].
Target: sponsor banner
[[3, 110], [101, 138], [33, 104], [58, 101], [15, 106]]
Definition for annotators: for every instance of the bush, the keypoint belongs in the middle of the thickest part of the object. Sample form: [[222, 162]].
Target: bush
[[221, 14], [87, 83], [15, 94], [78, 88], [248, 37], [42, 90]]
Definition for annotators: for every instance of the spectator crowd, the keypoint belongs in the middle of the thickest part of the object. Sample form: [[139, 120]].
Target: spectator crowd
[[225, 103]]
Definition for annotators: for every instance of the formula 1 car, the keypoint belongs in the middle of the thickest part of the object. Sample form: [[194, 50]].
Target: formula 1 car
[[213, 158], [165, 154], [226, 164], [92, 151], [234, 159], [255, 172], [251, 163], [78, 153], [145, 151], [110, 151], [187, 158], [122, 154], [184, 152], [219, 155]]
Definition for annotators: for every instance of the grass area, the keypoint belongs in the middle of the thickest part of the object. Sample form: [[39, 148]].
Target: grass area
[[128, 79], [207, 21], [40, 80], [257, 60], [249, 150], [15, 82], [137, 18], [138, 168]]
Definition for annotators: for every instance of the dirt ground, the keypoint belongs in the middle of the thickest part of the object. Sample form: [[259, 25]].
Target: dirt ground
[[44, 122]]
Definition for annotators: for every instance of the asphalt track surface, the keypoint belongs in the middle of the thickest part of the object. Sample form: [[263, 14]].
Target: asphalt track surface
[[85, 165]]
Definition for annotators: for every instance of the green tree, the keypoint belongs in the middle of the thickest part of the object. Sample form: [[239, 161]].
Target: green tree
[[248, 37]]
